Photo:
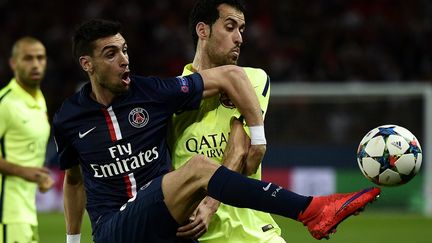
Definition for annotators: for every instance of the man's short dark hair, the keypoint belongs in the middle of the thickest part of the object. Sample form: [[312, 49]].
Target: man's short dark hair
[[206, 11], [90, 31]]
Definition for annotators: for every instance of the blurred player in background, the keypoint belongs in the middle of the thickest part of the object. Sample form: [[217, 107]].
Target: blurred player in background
[[24, 133], [217, 30], [111, 139]]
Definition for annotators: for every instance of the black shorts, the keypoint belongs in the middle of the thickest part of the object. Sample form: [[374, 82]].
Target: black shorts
[[145, 219]]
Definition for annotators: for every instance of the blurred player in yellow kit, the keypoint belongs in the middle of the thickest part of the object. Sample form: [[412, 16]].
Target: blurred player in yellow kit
[[24, 132], [217, 28]]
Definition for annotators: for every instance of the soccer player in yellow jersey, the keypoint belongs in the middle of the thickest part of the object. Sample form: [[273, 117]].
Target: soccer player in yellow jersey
[[24, 132], [217, 28]]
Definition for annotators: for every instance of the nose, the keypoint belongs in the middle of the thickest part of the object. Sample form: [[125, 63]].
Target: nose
[[37, 62], [238, 37], [124, 59]]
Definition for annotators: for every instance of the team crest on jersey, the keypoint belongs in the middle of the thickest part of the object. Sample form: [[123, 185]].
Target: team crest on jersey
[[226, 102], [184, 85], [138, 117]]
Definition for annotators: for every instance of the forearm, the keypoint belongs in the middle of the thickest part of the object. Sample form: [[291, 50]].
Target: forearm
[[8, 168], [32, 174], [233, 81], [74, 203], [236, 149]]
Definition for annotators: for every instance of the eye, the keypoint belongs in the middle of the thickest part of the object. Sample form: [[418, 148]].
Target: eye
[[229, 27], [110, 54], [27, 58], [41, 57]]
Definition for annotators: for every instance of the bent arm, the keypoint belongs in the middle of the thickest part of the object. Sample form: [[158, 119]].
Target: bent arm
[[233, 81], [234, 155], [237, 148], [32, 174], [234, 159], [238, 155], [74, 200]]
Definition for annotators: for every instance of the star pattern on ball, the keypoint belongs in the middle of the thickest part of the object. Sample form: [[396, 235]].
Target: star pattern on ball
[[387, 131]]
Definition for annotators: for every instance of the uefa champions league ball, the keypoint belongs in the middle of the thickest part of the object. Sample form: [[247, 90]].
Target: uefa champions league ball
[[389, 155]]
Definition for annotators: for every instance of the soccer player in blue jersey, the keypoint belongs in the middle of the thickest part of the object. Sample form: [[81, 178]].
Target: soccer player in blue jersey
[[111, 139]]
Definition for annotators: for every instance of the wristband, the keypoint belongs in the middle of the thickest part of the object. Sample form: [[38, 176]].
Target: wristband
[[257, 135], [73, 238]]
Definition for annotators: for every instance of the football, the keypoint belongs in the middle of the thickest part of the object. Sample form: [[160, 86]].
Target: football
[[389, 155]]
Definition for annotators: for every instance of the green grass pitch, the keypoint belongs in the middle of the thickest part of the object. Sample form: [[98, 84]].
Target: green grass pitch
[[369, 226]]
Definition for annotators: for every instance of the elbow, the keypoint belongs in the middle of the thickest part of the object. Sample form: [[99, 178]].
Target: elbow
[[235, 72]]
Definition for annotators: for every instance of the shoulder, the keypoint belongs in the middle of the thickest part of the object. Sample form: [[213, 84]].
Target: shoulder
[[8, 97], [148, 82], [256, 75], [5, 94], [67, 109]]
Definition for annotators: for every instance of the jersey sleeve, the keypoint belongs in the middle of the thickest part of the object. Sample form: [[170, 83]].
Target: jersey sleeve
[[4, 118], [179, 93], [68, 157]]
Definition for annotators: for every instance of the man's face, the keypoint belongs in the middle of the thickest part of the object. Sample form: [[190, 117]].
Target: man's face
[[29, 63], [225, 38], [110, 64]]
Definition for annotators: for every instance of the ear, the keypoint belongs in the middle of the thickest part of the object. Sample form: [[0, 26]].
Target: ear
[[86, 63], [202, 30], [12, 64]]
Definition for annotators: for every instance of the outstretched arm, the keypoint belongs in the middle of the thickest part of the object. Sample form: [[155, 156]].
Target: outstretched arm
[[74, 200], [233, 81]]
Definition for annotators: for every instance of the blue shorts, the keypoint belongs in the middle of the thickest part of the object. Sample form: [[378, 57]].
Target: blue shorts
[[146, 219]]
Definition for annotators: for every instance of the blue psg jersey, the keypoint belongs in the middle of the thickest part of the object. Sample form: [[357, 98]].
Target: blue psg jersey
[[123, 146]]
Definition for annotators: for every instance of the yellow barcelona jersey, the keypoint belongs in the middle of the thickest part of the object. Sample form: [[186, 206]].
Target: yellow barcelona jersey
[[24, 132], [206, 131]]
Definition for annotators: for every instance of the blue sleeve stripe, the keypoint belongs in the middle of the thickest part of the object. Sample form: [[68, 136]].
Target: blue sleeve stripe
[[266, 88], [2, 196], [7, 92]]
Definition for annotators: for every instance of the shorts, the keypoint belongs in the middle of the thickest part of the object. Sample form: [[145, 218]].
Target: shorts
[[16, 232], [145, 219]]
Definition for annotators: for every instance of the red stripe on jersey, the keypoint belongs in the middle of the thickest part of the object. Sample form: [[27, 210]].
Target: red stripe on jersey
[[128, 186], [110, 125]]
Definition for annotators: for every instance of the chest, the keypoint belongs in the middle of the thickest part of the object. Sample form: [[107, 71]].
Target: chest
[[117, 133], [29, 123]]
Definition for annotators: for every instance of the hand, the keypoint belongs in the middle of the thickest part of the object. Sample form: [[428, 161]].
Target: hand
[[46, 183], [254, 157], [33, 174], [199, 220]]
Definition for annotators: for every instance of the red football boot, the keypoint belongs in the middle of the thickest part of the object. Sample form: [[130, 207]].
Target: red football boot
[[325, 213]]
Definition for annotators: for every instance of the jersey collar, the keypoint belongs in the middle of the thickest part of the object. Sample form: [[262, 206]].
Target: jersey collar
[[33, 102], [187, 70]]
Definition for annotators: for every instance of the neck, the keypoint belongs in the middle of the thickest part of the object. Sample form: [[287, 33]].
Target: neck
[[201, 61], [101, 95], [32, 90]]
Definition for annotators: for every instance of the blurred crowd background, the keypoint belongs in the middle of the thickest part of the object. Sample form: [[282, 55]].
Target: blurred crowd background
[[292, 40], [296, 40]]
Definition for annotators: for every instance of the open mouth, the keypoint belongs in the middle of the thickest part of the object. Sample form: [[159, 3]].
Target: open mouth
[[125, 78], [236, 51]]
